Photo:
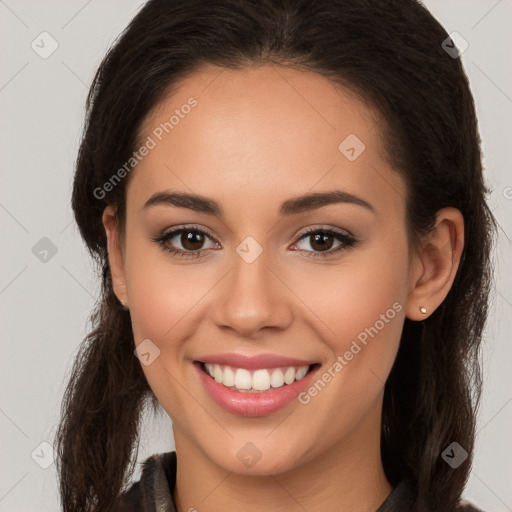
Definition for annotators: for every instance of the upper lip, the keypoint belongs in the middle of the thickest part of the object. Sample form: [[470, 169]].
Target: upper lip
[[254, 362]]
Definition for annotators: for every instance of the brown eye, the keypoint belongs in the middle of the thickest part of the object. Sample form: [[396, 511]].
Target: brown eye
[[192, 240], [321, 242]]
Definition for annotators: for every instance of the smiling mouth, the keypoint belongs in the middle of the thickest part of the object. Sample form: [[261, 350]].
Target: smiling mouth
[[258, 380]]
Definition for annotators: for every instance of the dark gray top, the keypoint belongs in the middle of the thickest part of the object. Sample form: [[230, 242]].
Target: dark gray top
[[153, 491]]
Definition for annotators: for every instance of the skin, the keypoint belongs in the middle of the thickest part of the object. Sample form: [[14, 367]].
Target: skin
[[258, 137]]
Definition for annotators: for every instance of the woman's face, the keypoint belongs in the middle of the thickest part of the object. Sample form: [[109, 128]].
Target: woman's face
[[253, 142]]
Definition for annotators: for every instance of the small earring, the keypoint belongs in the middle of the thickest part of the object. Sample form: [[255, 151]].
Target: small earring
[[423, 310], [123, 303]]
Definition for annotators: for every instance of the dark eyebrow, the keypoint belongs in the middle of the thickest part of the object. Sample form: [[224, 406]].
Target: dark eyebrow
[[304, 203]]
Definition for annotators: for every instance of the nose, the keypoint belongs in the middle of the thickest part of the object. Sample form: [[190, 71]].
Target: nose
[[252, 297]]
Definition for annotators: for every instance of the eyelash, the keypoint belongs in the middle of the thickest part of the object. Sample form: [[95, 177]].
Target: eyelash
[[348, 242]]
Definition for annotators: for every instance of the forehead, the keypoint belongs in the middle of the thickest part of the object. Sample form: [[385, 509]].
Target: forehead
[[266, 132]]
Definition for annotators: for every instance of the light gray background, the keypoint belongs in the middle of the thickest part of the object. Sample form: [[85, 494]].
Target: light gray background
[[45, 306]]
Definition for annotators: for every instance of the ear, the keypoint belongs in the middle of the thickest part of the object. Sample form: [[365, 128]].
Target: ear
[[115, 253], [435, 264]]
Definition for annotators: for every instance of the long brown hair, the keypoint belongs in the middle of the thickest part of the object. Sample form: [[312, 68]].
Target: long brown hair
[[390, 53]]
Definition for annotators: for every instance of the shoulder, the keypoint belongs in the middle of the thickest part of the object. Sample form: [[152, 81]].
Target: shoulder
[[404, 496], [153, 490], [465, 506]]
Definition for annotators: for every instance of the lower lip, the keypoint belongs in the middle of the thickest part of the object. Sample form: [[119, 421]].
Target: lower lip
[[254, 404]]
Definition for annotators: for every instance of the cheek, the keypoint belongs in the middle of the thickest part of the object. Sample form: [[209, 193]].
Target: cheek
[[165, 301], [362, 304], [161, 293], [364, 308], [352, 295], [161, 300]]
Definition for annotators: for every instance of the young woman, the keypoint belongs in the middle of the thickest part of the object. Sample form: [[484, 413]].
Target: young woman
[[286, 201]]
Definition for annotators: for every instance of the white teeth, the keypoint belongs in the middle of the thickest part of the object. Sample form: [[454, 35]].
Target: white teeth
[[217, 373], [242, 378], [277, 379], [259, 380], [228, 377], [301, 372], [289, 376]]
